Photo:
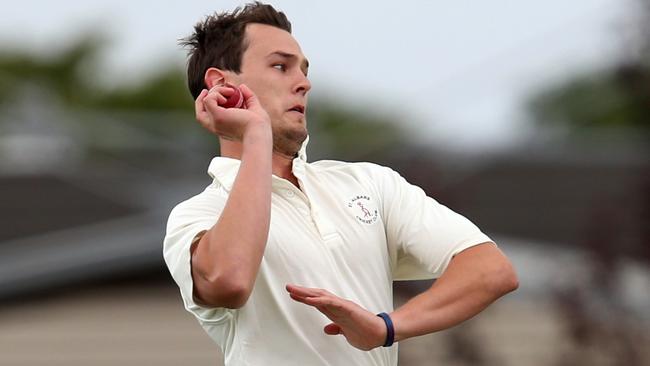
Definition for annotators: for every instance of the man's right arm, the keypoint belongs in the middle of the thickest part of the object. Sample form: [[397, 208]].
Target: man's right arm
[[226, 259]]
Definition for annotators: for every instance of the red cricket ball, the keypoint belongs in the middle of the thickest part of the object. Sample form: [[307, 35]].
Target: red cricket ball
[[236, 100]]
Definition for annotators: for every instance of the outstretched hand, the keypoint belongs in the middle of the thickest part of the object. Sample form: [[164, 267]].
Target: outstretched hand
[[361, 328]]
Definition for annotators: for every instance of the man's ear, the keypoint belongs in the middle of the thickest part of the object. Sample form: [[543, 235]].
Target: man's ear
[[214, 76]]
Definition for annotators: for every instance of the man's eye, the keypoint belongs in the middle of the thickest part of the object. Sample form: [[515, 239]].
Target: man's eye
[[281, 67]]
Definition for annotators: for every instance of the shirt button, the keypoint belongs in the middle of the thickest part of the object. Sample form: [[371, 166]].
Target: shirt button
[[289, 193]]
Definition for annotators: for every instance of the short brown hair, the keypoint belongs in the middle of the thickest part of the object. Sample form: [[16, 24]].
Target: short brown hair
[[219, 40]]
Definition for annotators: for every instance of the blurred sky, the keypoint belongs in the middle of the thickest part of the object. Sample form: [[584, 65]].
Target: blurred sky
[[457, 70]]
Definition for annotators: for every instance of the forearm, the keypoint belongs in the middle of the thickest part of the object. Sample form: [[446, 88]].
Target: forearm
[[474, 279], [227, 258]]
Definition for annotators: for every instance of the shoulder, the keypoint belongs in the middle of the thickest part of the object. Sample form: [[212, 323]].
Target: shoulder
[[204, 204], [381, 178], [358, 169]]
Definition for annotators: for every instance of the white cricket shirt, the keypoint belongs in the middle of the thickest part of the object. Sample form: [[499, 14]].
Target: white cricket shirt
[[351, 228]]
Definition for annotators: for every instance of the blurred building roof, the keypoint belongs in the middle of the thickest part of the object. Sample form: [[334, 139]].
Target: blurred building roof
[[104, 211]]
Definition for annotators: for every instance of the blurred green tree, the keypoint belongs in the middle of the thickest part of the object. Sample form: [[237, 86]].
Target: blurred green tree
[[165, 93], [617, 96], [63, 74]]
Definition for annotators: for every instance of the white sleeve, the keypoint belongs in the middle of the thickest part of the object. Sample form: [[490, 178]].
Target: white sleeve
[[422, 234], [187, 221]]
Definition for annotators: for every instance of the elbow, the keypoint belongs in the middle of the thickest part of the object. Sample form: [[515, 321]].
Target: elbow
[[227, 294], [504, 279], [222, 292], [510, 283], [226, 288], [231, 294]]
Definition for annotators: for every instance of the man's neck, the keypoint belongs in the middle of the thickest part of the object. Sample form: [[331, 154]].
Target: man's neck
[[283, 168], [282, 164]]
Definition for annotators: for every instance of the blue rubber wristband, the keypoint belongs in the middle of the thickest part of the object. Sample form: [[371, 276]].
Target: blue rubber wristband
[[390, 330]]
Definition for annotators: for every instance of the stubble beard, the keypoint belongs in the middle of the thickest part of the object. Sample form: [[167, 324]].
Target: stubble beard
[[287, 140]]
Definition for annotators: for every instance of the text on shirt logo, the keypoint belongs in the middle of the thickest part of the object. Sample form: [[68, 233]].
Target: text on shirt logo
[[363, 209]]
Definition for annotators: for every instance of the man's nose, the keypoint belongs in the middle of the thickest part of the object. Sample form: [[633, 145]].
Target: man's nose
[[303, 85]]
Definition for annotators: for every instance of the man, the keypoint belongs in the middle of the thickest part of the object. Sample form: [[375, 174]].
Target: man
[[285, 262]]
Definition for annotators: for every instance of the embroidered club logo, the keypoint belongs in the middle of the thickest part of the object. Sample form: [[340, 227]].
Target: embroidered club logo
[[363, 209]]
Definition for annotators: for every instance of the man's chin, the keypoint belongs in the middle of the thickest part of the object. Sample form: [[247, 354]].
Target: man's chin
[[289, 141], [300, 135], [296, 132]]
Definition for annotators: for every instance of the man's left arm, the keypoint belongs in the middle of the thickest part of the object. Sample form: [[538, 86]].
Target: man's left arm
[[474, 278]]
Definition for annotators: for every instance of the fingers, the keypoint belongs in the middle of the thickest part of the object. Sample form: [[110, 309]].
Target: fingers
[[230, 123], [198, 103], [359, 326], [202, 114], [325, 306], [220, 92], [215, 94], [316, 301], [306, 291], [249, 97], [327, 303], [248, 93], [209, 101], [214, 98], [310, 296]]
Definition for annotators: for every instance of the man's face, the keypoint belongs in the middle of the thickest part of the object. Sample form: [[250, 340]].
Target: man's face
[[274, 67]]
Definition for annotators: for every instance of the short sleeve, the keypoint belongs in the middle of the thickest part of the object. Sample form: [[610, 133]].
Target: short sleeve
[[187, 222], [422, 234]]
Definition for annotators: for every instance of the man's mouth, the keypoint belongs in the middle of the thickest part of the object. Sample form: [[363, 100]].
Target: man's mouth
[[298, 108]]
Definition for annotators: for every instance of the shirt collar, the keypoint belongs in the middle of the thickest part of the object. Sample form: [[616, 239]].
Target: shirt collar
[[224, 170], [302, 153]]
